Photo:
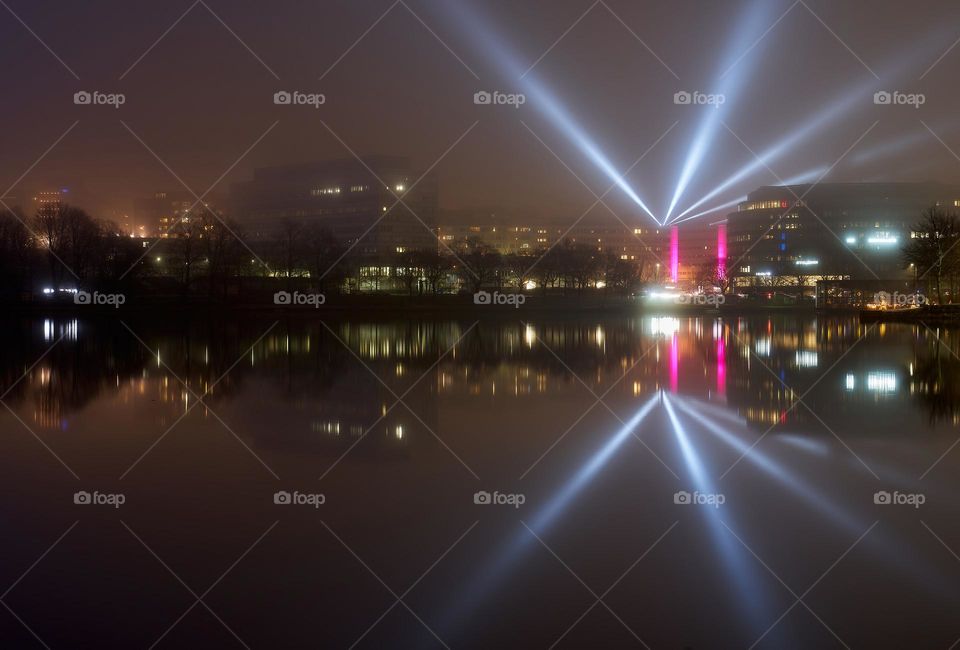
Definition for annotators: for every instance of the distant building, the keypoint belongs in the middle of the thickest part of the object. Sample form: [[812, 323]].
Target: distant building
[[158, 214], [49, 200], [511, 235], [356, 201], [838, 231]]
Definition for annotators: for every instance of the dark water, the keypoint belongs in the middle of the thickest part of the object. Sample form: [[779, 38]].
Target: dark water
[[798, 555]]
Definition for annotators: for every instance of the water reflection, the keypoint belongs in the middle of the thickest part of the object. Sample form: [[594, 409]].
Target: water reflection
[[753, 367]]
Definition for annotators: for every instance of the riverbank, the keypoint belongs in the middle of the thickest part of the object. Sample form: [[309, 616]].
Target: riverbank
[[931, 315], [307, 304]]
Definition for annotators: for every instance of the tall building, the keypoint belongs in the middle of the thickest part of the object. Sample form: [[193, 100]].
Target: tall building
[[532, 236], [48, 200], [838, 231], [158, 215], [356, 201]]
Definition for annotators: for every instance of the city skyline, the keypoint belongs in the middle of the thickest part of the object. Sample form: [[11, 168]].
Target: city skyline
[[581, 124], [480, 324]]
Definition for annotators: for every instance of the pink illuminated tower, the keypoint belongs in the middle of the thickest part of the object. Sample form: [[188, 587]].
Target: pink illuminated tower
[[674, 254], [722, 251]]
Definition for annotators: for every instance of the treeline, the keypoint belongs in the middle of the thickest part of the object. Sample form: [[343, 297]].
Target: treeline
[[63, 247], [933, 251]]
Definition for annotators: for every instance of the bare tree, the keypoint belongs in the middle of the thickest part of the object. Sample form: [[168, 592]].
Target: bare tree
[[933, 248]]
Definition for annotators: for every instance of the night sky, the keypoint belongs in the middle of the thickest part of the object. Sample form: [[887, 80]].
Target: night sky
[[199, 99]]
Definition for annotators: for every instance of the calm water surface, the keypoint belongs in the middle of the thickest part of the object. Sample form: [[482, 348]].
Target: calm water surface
[[598, 425]]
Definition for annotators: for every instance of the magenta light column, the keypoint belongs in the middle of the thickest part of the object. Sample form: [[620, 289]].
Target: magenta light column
[[674, 254], [722, 251]]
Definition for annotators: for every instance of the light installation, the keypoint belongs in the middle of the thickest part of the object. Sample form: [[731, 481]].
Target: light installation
[[674, 254], [722, 251]]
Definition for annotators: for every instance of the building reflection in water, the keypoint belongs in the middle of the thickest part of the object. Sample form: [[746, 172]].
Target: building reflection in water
[[754, 367]]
